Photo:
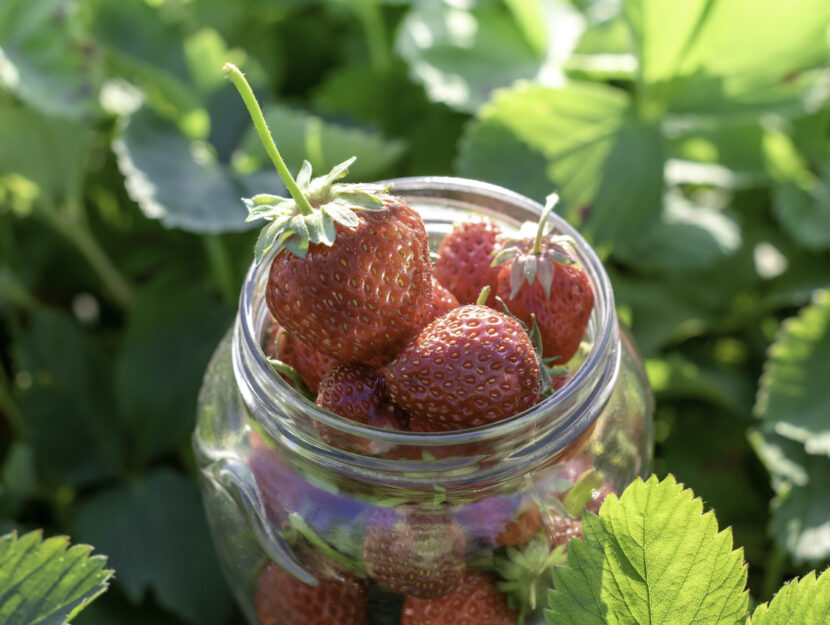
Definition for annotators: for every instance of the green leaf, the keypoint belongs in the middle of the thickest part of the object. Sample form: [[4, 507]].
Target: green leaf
[[46, 58], [46, 581], [301, 136], [687, 236], [49, 152], [802, 504], [595, 149], [805, 601], [155, 531], [65, 394], [169, 336], [320, 228], [651, 556], [792, 397], [340, 212], [461, 56], [180, 182], [710, 57], [805, 212]]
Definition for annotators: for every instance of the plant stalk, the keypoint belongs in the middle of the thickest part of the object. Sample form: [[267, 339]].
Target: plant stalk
[[550, 202], [244, 89]]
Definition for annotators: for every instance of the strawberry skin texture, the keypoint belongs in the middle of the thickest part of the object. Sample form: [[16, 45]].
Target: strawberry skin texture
[[476, 601], [471, 367], [562, 317], [562, 529], [357, 392], [361, 299], [464, 258], [281, 599], [442, 301], [415, 553], [309, 363]]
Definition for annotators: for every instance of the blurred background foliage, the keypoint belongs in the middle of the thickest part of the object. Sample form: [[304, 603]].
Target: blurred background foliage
[[690, 142]]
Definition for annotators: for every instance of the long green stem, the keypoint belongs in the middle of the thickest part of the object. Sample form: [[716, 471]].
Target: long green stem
[[238, 80], [371, 15], [551, 201]]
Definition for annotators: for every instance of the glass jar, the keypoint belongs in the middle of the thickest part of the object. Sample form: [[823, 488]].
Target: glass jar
[[294, 519]]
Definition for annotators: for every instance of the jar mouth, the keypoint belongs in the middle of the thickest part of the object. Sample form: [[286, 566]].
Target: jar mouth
[[557, 419]]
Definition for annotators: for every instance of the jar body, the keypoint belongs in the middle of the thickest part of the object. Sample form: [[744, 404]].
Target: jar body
[[294, 520]]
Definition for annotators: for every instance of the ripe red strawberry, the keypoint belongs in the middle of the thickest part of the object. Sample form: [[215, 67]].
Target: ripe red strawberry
[[442, 301], [476, 601], [309, 363], [357, 392], [414, 552], [464, 260], [539, 276], [597, 497], [351, 274], [470, 367], [501, 521], [282, 599], [362, 298]]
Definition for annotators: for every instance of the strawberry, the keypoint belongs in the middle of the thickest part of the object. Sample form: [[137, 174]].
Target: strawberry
[[351, 273], [282, 599], [470, 367], [309, 363], [476, 600], [464, 260], [598, 495], [540, 276], [442, 301], [414, 552], [357, 392], [562, 529], [501, 521]]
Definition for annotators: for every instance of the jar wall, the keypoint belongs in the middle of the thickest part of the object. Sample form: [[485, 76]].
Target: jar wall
[[284, 508]]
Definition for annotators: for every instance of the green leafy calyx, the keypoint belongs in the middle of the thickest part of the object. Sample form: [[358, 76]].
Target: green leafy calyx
[[537, 257], [331, 203]]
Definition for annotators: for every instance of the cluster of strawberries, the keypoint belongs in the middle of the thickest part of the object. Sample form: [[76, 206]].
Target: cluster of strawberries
[[382, 337], [423, 560]]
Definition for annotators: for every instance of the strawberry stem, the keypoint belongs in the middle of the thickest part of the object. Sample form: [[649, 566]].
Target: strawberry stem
[[550, 202], [238, 80], [482, 297]]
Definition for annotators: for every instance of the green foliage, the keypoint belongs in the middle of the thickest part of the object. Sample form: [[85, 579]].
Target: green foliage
[[47, 581], [651, 556], [806, 601], [688, 141]]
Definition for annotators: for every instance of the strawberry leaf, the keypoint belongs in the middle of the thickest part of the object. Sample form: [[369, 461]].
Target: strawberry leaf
[[793, 398], [46, 581], [340, 212], [805, 601], [651, 556], [320, 228]]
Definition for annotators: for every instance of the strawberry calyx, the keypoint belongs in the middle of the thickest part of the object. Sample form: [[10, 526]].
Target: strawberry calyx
[[315, 205], [537, 257]]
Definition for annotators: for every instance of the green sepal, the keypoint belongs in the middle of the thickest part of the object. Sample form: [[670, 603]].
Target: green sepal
[[504, 254], [339, 211], [330, 203], [527, 573], [304, 529]]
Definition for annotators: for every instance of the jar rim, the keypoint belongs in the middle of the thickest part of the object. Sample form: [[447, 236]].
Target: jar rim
[[565, 413]]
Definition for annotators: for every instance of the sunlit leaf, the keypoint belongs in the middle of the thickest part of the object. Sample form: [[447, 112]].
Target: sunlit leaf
[[728, 57], [461, 56], [595, 148], [805, 600], [651, 556], [46, 581], [793, 398]]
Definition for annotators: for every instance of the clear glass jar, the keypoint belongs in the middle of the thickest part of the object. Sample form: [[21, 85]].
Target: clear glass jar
[[285, 506]]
